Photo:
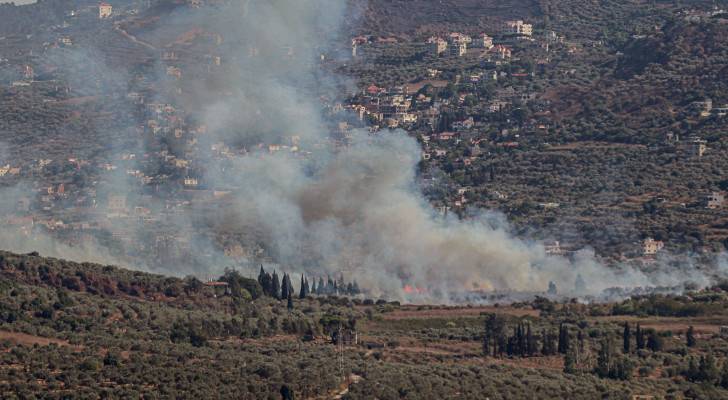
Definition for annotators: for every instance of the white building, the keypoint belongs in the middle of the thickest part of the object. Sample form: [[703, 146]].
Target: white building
[[553, 248], [104, 10], [483, 41], [651, 246], [518, 27], [458, 49], [715, 200], [437, 45]]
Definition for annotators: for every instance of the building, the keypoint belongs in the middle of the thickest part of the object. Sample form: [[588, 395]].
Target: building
[[714, 200], [517, 28], [459, 44], [501, 52], [174, 72], [104, 10], [696, 146], [457, 37], [458, 49], [28, 72], [651, 246], [483, 41], [553, 248], [437, 45], [703, 108]]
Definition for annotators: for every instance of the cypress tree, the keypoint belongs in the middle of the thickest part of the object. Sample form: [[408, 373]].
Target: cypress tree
[[563, 338], [487, 336], [692, 373], [265, 281], [625, 338], [261, 276], [640, 337], [604, 359], [521, 341], [275, 286], [290, 302], [284, 287], [690, 336], [313, 287], [321, 286], [530, 342], [302, 293], [569, 362]]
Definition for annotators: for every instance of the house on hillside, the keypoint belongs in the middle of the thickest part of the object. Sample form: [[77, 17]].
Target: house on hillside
[[553, 247], [483, 41], [501, 52], [436, 45], [105, 10], [458, 49], [696, 146], [714, 200], [459, 44], [651, 246], [517, 28]]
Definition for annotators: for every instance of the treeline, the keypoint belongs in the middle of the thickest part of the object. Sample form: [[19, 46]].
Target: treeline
[[282, 288], [523, 342], [95, 279]]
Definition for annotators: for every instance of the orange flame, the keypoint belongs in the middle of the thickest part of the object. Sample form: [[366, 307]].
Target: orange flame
[[414, 290]]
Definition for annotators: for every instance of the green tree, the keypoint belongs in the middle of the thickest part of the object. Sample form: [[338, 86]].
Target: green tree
[[690, 336], [724, 375], [275, 287], [640, 337], [563, 338], [287, 393], [707, 370], [494, 331], [284, 286], [626, 338], [604, 359], [303, 292], [655, 342], [570, 362]]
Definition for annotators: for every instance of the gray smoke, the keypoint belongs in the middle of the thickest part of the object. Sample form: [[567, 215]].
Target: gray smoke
[[323, 206]]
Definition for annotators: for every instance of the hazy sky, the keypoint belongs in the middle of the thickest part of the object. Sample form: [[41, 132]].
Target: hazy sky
[[18, 2]]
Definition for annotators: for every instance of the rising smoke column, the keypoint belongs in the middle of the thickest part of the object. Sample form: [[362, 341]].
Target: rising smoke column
[[358, 209], [325, 209]]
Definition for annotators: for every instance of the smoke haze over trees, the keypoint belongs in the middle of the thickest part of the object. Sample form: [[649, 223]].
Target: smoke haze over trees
[[333, 204]]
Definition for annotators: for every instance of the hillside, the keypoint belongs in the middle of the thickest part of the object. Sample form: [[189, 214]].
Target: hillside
[[87, 331]]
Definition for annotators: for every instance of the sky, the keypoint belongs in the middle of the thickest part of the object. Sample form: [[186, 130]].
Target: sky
[[18, 2]]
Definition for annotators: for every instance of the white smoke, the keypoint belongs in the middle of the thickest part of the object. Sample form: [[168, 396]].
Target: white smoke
[[324, 208]]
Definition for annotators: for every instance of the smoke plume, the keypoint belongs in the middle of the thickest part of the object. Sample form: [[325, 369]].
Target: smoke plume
[[320, 203]]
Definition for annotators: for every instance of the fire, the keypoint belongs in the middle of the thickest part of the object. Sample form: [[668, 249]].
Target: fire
[[414, 290]]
